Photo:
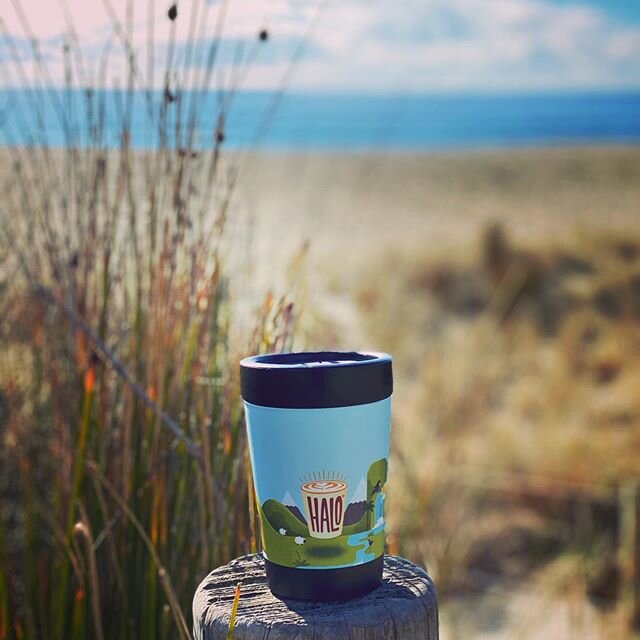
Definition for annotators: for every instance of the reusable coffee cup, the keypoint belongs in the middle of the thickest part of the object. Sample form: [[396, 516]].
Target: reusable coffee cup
[[318, 425]]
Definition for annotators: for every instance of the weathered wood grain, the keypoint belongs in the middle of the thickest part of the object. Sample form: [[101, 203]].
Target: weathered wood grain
[[403, 607]]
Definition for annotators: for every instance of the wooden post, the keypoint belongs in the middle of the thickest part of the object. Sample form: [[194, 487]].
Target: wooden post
[[404, 607]]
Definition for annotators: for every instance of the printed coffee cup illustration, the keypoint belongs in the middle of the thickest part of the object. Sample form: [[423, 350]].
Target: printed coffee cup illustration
[[324, 502], [318, 426]]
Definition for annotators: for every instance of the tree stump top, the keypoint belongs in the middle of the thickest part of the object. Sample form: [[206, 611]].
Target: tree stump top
[[403, 607]]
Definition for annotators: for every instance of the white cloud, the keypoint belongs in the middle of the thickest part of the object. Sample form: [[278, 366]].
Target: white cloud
[[368, 44], [624, 45]]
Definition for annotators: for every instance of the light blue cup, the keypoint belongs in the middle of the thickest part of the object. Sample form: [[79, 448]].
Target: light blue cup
[[318, 427]]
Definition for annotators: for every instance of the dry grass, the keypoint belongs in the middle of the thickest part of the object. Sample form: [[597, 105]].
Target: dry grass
[[123, 468], [517, 412], [515, 404]]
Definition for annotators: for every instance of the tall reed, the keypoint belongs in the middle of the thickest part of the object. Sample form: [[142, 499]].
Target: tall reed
[[123, 464]]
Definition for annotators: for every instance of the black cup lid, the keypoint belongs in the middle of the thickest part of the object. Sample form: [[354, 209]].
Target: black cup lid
[[317, 379]]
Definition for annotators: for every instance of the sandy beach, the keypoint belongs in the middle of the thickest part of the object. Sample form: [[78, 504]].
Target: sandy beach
[[349, 204]]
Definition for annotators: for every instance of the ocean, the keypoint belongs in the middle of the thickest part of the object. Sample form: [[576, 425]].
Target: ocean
[[265, 120]]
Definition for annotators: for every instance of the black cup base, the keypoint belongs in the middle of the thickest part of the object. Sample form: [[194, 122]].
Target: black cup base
[[323, 585]]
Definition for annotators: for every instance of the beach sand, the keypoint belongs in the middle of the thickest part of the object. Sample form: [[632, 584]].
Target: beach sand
[[349, 206]]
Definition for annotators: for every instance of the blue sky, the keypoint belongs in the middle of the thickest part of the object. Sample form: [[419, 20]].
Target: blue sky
[[626, 10], [357, 45]]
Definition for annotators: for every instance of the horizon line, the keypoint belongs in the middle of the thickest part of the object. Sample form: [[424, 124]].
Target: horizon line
[[338, 92]]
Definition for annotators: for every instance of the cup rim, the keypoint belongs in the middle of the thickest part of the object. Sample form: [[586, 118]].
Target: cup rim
[[314, 359], [316, 379]]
